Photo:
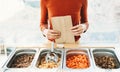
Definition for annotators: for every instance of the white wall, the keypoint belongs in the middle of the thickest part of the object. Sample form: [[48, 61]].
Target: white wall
[[9, 7], [102, 15]]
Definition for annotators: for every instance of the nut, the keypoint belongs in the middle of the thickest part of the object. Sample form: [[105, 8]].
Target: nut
[[107, 62]]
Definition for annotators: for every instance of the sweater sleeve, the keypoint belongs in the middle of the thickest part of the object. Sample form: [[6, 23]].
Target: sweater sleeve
[[43, 15], [84, 11]]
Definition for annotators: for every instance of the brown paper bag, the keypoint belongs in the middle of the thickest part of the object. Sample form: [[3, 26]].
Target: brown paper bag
[[63, 24]]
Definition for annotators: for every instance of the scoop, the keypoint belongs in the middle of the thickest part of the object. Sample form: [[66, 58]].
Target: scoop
[[51, 56]]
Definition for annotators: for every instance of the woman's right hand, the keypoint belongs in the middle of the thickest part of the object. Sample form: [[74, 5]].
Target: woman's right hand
[[52, 34]]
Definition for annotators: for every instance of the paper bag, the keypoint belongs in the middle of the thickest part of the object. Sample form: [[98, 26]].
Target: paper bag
[[63, 24]]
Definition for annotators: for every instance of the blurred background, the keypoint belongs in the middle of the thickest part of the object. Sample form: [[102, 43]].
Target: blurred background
[[20, 19]]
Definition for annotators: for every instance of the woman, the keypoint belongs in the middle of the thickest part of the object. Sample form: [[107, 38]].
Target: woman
[[76, 8]]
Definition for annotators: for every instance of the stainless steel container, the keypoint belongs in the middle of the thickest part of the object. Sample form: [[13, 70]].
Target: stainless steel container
[[42, 54], [78, 51], [39, 53], [16, 54], [105, 54]]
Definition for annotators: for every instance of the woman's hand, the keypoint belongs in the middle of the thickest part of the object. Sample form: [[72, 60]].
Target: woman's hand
[[52, 34], [77, 30]]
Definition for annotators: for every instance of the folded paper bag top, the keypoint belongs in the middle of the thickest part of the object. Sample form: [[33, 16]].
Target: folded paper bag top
[[63, 24]]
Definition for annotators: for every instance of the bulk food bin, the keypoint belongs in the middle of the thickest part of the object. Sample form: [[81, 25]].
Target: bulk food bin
[[80, 56], [41, 65], [21, 59], [105, 59]]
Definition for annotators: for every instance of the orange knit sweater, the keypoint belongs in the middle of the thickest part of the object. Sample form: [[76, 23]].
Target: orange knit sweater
[[76, 8]]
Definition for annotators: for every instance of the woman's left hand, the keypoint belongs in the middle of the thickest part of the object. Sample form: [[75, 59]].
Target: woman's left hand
[[77, 30]]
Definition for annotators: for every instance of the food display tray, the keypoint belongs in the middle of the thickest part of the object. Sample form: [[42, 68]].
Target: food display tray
[[77, 51], [63, 52], [105, 52]]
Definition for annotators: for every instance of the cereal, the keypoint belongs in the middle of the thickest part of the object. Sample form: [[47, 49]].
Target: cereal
[[106, 62], [44, 64], [22, 61], [77, 61]]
